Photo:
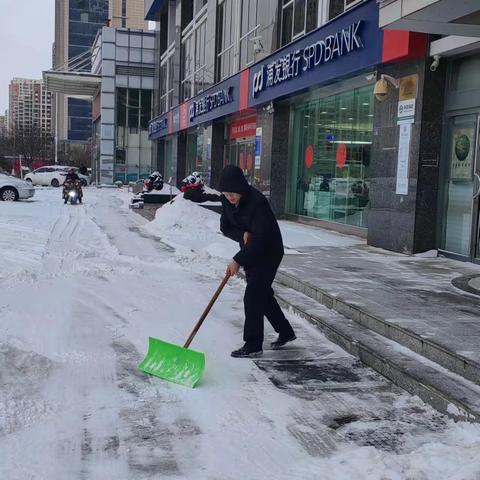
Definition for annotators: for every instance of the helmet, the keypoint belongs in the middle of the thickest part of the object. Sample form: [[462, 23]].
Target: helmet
[[197, 175]]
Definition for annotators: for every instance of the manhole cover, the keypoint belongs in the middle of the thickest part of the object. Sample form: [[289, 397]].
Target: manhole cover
[[468, 283]]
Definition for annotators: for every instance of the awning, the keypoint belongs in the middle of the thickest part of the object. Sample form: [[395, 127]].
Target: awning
[[442, 17], [83, 85]]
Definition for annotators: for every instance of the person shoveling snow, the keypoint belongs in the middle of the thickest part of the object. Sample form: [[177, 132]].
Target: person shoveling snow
[[248, 219]]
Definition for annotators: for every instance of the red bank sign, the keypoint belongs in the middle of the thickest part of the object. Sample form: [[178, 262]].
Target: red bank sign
[[246, 127]]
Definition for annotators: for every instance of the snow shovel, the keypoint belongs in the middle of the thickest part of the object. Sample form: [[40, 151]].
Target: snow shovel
[[174, 363]]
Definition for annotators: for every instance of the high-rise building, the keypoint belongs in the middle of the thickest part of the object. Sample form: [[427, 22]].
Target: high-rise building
[[4, 124], [76, 25], [127, 14], [30, 106]]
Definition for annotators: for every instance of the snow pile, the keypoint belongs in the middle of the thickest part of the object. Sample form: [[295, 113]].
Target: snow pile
[[191, 229], [167, 189], [26, 227]]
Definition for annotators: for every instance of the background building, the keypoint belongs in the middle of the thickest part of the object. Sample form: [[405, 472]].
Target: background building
[[3, 125], [76, 26], [126, 14], [30, 106], [124, 59], [285, 90], [449, 160]]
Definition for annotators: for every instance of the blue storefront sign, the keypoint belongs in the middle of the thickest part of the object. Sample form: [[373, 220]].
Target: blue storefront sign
[[349, 44], [210, 102], [346, 46], [158, 126]]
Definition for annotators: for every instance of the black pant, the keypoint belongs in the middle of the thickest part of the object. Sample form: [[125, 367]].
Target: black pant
[[259, 302]]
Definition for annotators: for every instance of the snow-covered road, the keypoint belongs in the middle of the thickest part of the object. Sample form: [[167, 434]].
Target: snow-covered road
[[81, 289]]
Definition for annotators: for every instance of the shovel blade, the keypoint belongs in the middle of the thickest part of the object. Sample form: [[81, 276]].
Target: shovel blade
[[173, 363]]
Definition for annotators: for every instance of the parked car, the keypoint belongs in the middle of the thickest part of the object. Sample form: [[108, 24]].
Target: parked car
[[53, 175], [12, 188]]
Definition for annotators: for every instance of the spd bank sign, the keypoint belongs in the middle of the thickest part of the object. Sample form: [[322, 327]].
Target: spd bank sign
[[346, 45], [312, 56]]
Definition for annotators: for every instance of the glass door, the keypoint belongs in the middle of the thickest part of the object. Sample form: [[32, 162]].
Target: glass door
[[476, 200], [460, 220]]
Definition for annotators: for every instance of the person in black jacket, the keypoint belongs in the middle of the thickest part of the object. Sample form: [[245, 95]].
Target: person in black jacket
[[248, 219]]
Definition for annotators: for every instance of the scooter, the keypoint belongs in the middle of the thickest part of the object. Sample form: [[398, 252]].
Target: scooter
[[72, 193], [153, 182]]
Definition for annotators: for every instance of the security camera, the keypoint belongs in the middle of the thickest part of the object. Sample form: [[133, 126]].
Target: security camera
[[381, 90], [381, 87], [257, 44], [435, 63], [269, 108]]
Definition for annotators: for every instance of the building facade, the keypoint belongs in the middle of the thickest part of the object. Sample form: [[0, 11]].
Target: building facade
[[285, 90], [126, 14], [76, 26], [453, 70], [30, 107], [3, 125], [122, 106]]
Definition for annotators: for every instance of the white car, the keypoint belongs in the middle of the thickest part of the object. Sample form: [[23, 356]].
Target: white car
[[53, 175], [12, 188]]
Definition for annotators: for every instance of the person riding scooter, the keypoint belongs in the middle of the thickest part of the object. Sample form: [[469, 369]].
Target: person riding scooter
[[72, 180]]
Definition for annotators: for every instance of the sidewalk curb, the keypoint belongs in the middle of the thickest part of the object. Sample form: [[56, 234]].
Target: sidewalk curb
[[455, 397], [462, 366]]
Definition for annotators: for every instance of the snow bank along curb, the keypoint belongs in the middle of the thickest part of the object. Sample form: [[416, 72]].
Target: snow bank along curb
[[446, 391]]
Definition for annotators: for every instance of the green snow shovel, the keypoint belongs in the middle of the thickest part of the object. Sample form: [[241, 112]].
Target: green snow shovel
[[174, 363]]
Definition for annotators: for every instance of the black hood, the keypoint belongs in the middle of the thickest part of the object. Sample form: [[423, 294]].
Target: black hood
[[233, 180]]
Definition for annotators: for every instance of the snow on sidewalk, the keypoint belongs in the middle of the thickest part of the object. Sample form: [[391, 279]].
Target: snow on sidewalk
[[70, 345]]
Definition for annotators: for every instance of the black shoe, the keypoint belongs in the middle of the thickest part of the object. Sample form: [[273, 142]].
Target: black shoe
[[281, 341], [247, 352]]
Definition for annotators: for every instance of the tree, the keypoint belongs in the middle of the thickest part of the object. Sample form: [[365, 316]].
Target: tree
[[29, 143]]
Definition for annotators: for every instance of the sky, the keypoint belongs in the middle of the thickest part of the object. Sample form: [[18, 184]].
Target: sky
[[26, 37]]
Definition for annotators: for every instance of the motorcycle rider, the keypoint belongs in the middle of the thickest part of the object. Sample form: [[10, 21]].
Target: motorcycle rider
[[72, 179]]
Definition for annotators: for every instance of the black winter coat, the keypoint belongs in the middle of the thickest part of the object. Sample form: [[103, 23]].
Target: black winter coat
[[254, 215]]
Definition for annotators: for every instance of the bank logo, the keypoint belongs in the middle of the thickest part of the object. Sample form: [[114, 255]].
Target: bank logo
[[258, 81]]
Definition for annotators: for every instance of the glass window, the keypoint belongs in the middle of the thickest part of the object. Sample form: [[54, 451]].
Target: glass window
[[331, 157], [194, 74], [133, 108], [465, 74], [287, 23], [335, 8], [311, 21], [298, 17], [146, 109], [121, 107]]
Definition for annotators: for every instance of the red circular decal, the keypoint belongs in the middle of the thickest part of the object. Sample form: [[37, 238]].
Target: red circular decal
[[249, 161], [241, 161], [309, 156], [341, 155]]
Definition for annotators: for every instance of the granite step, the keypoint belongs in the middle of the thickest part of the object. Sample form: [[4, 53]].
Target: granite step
[[450, 360], [447, 392]]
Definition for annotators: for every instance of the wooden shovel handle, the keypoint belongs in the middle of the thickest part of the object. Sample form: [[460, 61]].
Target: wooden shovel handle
[[205, 313]]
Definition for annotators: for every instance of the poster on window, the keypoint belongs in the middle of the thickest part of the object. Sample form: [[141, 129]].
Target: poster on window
[[463, 145]]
